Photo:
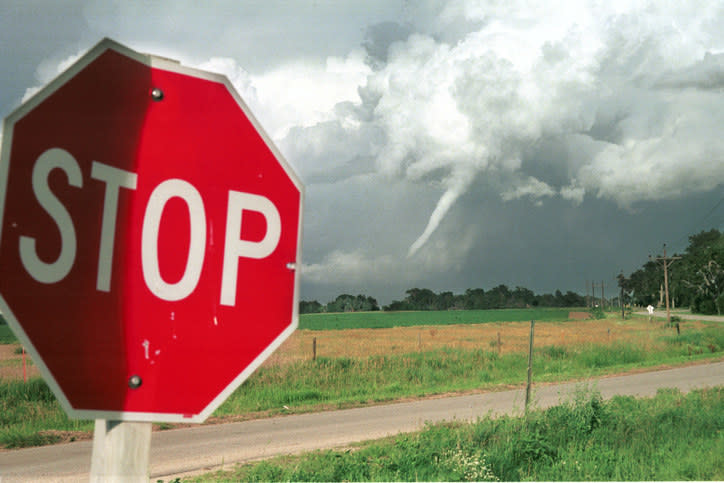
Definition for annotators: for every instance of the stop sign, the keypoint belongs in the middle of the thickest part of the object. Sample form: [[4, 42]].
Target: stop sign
[[149, 237]]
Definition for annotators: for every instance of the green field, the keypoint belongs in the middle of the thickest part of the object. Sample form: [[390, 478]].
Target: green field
[[6, 335], [382, 320], [669, 437], [30, 414]]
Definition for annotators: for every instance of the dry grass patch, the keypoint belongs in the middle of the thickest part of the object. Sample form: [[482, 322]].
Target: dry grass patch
[[11, 364], [357, 343]]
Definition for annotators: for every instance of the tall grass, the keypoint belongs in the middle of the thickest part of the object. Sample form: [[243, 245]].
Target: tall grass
[[28, 410], [28, 413], [708, 340], [342, 382], [668, 437]]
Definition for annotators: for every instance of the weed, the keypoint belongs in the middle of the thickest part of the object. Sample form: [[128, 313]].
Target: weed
[[553, 352], [669, 437], [597, 313], [709, 339], [28, 411], [466, 465]]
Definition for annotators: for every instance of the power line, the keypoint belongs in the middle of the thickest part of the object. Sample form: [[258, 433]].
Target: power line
[[702, 220]]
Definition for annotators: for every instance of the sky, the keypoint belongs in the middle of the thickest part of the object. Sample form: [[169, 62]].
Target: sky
[[447, 144]]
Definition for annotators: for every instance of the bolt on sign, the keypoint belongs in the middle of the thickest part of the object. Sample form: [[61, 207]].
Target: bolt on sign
[[150, 235]]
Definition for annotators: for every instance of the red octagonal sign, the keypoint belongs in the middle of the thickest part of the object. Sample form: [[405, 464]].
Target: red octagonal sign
[[149, 237]]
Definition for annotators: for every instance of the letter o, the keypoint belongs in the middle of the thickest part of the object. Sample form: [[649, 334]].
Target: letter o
[[149, 240]]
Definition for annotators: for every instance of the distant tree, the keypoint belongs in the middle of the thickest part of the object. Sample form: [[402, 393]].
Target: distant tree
[[572, 299], [478, 299], [624, 285], [446, 301], [710, 288], [522, 297], [421, 299], [310, 307], [545, 300], [397, 306], [693, 279], [498, 297], [352, 303], [646, 283], [700, 272], [474, 299]]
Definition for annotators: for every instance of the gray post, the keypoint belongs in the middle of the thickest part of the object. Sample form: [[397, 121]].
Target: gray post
[[530, 366], [121, 451]]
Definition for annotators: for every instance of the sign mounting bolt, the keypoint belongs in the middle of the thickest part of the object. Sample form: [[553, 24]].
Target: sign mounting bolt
[[156, 94], [135, 381]]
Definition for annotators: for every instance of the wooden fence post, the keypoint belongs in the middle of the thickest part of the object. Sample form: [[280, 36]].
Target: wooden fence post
[[25, 367], [314, 349], [530, 366]]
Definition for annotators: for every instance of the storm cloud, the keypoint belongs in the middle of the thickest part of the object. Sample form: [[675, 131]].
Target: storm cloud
[[456, 144]]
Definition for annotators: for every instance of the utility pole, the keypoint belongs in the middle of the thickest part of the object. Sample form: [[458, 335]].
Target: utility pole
[[621, 279], [666, 262], [593, 293]]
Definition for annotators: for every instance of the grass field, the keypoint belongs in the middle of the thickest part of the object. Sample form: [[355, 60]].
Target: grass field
[[670, 437], [6, 335], [345, 381], [379, 320], [364, 366]]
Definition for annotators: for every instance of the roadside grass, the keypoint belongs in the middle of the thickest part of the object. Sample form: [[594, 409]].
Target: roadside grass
[[343, 382], [669, 437], [379, 320], [30, 415]]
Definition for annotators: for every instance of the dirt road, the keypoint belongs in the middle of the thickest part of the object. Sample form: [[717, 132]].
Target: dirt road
[[661, 314], [204, 448]]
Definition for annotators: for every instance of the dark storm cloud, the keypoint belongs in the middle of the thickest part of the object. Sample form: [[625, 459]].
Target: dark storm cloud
[[450, 144]]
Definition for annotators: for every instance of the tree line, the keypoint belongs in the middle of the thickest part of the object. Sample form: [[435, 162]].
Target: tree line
[[500, 297], [696, 280]]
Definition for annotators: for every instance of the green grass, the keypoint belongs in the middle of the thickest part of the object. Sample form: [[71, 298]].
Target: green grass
[[669, 437], [344, 382], [28, 413], [28, 410], [708, 340], [6, 335], [380, 320]]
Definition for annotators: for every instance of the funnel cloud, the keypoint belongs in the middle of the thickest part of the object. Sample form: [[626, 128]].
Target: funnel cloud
[[449, 144]]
